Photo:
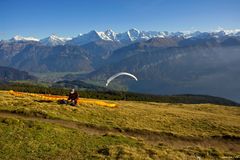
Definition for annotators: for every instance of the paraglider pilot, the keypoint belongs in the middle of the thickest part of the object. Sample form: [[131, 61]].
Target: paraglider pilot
[[73, 97]]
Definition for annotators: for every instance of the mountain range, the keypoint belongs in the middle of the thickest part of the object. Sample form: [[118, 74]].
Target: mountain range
[[124, 37], [164, 62]]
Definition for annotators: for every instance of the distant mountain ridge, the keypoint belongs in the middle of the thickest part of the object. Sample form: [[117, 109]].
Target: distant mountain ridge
[[131, 35]]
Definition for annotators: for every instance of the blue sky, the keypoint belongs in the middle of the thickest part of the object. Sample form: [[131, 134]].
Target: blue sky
[[40, 18]]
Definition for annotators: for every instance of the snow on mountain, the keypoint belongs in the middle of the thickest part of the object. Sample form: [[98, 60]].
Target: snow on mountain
[[201, 35], [54, 40], [152, 34], [226, 32], [88, 37], [127, 37], [21, 38], [104, 36], [134, 34], [110, 34], [123, 37]]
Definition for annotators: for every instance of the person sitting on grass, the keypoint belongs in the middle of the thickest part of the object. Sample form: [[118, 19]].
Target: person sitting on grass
[[73, 97]]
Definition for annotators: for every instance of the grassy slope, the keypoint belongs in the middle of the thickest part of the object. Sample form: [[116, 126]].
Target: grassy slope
[[33, 129]]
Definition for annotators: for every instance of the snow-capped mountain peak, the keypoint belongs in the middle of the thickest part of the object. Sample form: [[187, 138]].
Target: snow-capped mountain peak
[[133, 34], [134, 31], [104, 36], [54, 40], [229, 32], [110, 34], [54, 37], [21, 38], [109, 31], [87, 37]]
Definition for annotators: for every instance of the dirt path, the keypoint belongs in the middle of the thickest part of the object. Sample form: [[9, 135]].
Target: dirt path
[[151, 137]]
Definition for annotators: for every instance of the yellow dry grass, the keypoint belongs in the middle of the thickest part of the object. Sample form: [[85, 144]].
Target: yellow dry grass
[[56, 97]]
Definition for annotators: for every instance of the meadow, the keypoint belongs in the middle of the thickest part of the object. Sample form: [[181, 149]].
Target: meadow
[[32, 127]]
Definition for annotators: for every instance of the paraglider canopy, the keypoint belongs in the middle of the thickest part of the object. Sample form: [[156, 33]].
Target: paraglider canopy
[[119, 74]]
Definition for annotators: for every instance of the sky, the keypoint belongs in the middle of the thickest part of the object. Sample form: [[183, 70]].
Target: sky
[[68, 18]]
